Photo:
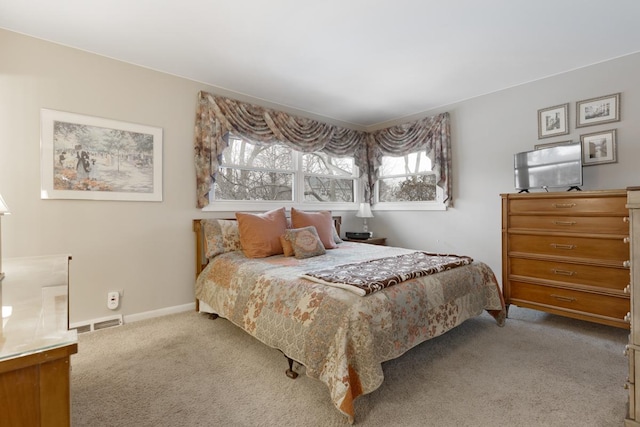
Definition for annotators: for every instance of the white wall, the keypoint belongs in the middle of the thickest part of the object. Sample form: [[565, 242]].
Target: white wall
[[488, 130], [146, 248]]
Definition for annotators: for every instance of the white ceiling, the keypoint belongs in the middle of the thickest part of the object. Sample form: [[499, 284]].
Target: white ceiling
[[358, 62]]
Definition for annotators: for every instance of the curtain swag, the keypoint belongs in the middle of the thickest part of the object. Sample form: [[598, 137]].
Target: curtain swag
[[216, 117]]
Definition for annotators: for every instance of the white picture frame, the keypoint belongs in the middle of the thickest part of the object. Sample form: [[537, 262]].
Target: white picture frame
[[599, 148], [596, 111], [93, 158], [553, 121], [551, 144]]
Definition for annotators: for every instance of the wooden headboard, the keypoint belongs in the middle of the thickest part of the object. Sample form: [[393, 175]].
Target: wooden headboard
[[201, 259]]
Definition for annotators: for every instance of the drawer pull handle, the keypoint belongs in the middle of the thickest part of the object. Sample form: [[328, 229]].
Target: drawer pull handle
[[564, 222], [627, 317], [626, 240], [626, 264], [563, 205], [625, 219], [559, 246], [563, 272], [563, 298], [627, 289]]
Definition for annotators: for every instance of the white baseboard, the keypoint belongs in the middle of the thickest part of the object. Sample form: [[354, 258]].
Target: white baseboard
[[160, 312], [93, 324]]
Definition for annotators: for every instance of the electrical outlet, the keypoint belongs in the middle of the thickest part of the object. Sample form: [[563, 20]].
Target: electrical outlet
[[113, 300]]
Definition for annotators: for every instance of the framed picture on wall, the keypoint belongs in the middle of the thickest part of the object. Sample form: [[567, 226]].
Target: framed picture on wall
[[551, 144], [91, 158], [553, 121], [599, 148], [595, 111]]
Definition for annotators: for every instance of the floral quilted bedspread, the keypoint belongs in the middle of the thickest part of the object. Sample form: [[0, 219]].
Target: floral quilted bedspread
[[340, 337]]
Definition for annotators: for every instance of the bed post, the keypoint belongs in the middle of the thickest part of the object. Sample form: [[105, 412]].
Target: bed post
[[337, 222], [197, 228], [290, 372]]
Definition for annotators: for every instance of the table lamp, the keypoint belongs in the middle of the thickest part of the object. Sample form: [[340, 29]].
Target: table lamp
[[364, 212]]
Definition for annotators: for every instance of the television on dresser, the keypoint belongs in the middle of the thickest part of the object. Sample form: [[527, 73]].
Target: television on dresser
[[558, 166]]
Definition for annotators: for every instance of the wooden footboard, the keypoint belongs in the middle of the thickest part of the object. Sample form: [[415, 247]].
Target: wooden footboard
[[201, 259]]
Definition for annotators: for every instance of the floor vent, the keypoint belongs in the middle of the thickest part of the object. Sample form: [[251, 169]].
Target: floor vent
[[108, 323], [97, 324], [83, 328]]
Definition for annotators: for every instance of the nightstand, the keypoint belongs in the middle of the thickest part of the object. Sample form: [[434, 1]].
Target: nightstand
[[382, 241]]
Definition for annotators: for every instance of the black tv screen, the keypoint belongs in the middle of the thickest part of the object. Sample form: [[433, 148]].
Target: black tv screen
[[551, 167]]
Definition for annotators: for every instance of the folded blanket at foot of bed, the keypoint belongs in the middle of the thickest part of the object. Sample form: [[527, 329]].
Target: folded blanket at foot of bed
[[364, 278]]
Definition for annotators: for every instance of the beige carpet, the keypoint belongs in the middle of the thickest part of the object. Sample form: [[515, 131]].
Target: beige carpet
[[189, 370]]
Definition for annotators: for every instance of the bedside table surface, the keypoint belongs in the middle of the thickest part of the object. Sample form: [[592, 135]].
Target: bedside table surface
[[371, 240]]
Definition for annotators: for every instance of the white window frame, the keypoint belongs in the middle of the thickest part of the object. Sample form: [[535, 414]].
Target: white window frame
[[436, 205], [298, 195]]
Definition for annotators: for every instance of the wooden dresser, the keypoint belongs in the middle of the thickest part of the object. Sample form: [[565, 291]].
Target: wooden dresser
[[567, 253], [633, 349]]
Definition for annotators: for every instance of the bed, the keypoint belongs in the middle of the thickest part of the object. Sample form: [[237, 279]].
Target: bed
[[339, 336]]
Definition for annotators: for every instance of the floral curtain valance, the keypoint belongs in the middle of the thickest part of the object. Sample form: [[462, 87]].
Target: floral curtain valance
[[430, 135], [216, 117]]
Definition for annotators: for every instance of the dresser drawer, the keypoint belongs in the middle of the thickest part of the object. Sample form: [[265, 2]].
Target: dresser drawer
[[570, 247], [604, 305], [578, 224], [610, 278], [571, 205]]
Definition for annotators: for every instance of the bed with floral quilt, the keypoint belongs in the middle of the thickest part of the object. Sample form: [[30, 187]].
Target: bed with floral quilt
[[305, 306]]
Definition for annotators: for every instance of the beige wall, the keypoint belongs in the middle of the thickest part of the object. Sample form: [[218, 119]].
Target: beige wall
[[146, 248]]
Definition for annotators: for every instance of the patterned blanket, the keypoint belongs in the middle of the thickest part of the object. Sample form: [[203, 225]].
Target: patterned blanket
[[364, 278]]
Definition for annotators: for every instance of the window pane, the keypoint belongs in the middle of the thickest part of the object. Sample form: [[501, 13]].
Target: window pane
[[323, 164], [244, 154], [405, 165], [252, 172], [417, 188], [242, 184], [322, 189]]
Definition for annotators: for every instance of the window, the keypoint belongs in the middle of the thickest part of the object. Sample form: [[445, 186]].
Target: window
[[327, 178], [407, 178], [275, 172], [255, 172]]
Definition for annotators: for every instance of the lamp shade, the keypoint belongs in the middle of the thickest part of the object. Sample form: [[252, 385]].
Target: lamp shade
[[364, 211], [4, 209]]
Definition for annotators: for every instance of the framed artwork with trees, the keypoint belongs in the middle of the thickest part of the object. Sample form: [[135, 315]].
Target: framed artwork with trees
[[86, 157]]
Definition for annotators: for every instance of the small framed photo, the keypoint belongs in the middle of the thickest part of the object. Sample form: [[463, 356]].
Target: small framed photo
[[553, 121], [595, 111], [551, 144], [599, 148]]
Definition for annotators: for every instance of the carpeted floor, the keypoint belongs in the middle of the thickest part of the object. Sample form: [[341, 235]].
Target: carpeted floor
[[189, 370]]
